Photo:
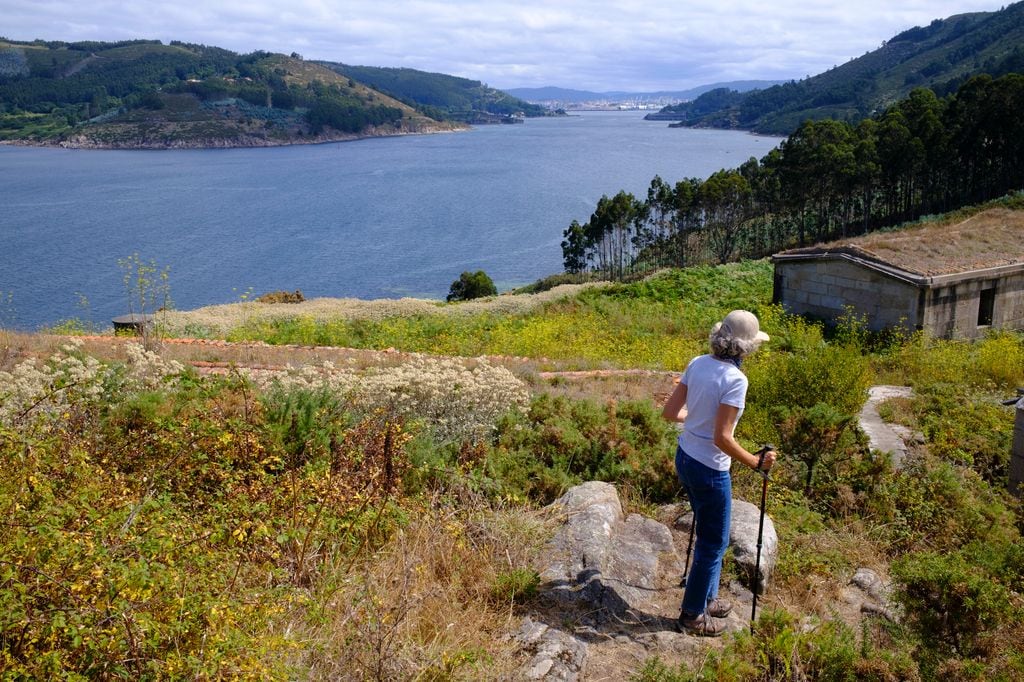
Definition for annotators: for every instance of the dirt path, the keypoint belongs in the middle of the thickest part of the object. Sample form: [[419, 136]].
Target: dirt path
[[210, 356]]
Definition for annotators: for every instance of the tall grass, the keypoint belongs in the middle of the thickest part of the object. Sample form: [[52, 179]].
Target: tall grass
[[658, 323]]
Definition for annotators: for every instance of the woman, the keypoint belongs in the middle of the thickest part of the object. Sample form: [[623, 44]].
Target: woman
[[709, 401]]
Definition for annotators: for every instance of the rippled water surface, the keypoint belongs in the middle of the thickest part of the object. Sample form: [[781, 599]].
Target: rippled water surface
[[385, 217]]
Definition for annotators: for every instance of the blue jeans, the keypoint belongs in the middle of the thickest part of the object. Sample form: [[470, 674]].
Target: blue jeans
[[710, 494]]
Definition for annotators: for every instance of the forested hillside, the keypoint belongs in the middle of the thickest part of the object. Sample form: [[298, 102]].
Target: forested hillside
[[829, 179], [146, 94], [940, 56], [439, 95]]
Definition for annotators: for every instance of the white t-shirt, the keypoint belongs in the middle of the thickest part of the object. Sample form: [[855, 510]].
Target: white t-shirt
[[709, 383]]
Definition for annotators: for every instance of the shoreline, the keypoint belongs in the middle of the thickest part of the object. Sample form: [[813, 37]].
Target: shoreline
[[225, 143]]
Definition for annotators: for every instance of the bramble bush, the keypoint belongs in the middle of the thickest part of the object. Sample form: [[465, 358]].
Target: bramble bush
[[561, 442], [537, 454], [158, 525]]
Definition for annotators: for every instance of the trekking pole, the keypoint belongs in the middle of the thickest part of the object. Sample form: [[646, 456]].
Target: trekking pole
[[689, 546], [760, 530], [689, 543]]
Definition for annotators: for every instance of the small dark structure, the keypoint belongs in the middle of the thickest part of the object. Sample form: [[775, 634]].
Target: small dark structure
[[953, 280], [135, 324]]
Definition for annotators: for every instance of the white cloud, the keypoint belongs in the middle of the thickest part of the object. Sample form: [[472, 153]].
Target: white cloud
[[596, 44]]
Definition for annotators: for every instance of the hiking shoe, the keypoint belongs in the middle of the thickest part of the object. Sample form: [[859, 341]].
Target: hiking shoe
[[701, 625], [719, 608]]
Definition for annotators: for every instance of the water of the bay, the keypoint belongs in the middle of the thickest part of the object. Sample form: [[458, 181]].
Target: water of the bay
[[384, 217]]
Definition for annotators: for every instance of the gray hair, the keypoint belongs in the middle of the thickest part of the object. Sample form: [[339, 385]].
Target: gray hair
[[725, 345]]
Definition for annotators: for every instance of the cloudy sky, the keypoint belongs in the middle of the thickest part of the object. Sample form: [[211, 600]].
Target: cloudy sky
[[642, 45]]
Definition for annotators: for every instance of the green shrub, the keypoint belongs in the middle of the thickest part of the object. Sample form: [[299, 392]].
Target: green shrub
[[811, 435], [281, 297], [950, 602], [307, 423], [965, 429], [472, 285], [562, 442], [782, 648], [832, 374], [940, 506], [815, 379]]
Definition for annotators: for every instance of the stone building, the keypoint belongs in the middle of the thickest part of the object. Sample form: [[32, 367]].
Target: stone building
[[955, 280]]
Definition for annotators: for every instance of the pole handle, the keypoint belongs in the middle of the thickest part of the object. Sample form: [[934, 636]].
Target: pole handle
[[760, 458]]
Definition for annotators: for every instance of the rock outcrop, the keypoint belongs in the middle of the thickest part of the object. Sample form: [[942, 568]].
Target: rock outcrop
[[555, 655], [611, 583], [743, 539], [873, 595], [607, 560]]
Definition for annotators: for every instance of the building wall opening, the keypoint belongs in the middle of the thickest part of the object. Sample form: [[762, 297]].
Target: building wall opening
[[986, 304]]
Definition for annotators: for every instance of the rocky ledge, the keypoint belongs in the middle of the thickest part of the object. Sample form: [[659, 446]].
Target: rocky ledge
[[610, 590]]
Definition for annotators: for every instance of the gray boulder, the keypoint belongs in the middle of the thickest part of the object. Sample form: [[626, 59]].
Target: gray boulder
[[600, 557], [873, 593], [743, 540], [554, 655]]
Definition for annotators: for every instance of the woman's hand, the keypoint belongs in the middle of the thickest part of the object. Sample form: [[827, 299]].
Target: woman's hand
[[766, 461]]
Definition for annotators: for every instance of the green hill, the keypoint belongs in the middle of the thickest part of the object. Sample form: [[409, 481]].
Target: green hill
[[940, 56], [439, 95], [145, 94]]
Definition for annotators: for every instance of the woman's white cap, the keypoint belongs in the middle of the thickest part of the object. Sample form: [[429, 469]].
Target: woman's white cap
[[742, 324]]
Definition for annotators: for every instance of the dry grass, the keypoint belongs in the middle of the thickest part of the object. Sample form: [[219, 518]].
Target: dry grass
[[819, 587], [218, 320], [422, 607], [987, 239], [603, 385]]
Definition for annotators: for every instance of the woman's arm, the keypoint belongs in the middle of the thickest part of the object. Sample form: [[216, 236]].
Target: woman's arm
[[725, 421], [675, 408]]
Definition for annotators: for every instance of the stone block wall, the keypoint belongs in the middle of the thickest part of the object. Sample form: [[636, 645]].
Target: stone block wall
[[825, 288], [952, 310]]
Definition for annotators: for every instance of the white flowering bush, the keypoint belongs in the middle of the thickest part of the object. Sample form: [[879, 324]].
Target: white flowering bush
[[221, 319], [69, 378], [459, 400], [147, 369]]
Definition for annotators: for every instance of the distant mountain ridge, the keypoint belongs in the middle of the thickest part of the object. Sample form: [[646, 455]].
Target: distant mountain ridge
[[940, 56], [135, 94], [557, 94], [143, 94], [439, 95]]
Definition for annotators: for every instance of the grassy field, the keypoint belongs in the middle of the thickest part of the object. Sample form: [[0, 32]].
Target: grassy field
[[657, 323], [379, 515]]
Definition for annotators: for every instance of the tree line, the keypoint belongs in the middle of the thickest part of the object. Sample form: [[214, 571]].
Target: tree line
[[829, 179]]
